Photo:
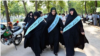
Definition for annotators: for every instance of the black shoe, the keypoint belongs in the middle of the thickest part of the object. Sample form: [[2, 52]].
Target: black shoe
[[56, 54], [37, 55]]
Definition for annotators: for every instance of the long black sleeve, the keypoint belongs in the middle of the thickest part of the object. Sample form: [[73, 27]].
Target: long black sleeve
[[61, 24], [81, 26]]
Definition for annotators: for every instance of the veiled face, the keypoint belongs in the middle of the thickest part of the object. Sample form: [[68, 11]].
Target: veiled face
[[53, 12], [71, 12], [30, 15], [41, 14], [62, 15], [35, 17]]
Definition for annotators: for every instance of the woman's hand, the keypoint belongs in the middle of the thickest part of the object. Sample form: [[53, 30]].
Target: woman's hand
[[61, 32], [82, 33]]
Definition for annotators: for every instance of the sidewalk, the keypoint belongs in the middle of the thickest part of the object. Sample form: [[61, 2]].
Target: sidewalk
[[93, 35], [91, 49]]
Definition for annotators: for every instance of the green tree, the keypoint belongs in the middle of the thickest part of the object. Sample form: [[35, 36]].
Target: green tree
[[47, 4], [37, 4], [2, 9], [84, 6]]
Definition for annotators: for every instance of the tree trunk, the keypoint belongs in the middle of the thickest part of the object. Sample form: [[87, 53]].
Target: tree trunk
[[69, 5], [36, 5], [54, 3], [48, 6], [6, 10], [47, 3], [3, 14], [95, 5], [85, 7], [25, 8]]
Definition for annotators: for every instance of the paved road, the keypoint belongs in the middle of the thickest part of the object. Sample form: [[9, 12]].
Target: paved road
[[91, 49]]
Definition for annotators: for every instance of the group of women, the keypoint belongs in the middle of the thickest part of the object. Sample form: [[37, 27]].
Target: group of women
[[42, 31]]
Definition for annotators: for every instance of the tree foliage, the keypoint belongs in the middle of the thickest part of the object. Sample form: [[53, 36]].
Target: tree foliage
[[80, 6], [17, 7], [2, 9], [59, 4]]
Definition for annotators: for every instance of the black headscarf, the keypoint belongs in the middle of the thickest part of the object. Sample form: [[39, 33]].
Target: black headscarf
[[36, 14], [26, 18], [31, 12], [30, 15], [74, 14], [71, 17], [40, 12], [33, 20], [27, 15], [50, 14], [50, 17]]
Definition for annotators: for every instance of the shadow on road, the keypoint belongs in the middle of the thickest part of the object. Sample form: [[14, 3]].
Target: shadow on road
[[11, 51], [77, 53]]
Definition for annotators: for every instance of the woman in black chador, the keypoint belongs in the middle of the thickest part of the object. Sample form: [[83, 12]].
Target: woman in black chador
[[74, 37], [33, 38], [54, 35], [28, 17]]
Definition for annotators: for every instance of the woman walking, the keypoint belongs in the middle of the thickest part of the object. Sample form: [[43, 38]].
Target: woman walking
[[34, 33], [73, 33], [54, 26]]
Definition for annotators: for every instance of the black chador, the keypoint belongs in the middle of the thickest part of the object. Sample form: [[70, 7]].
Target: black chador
[[34, 38], [54, 35], [28, 17], [74, 37]]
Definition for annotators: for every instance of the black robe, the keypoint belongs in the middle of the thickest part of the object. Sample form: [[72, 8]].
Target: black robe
[[54, 35], [35, 38], [73, 37], [27, 19]]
